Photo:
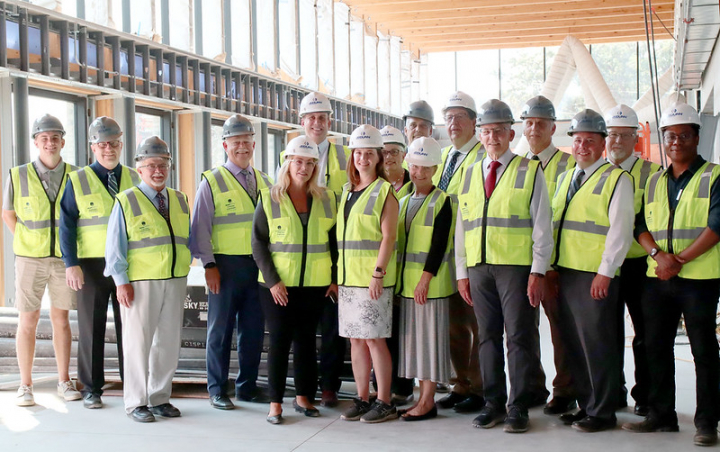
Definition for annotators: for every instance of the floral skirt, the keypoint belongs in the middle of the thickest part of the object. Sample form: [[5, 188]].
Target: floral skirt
[[360, 317]]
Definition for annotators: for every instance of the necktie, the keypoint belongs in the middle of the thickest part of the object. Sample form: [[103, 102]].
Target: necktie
[[491, 178], [162, 207], [250, 185], [534, 157], [449, 170], [112, 184], [575, 185]]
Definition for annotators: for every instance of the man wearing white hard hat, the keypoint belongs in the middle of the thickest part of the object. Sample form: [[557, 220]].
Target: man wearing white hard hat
[[419, 119], [622, 125], [221, 230], [466, 396], [679, 228], [503, 246]]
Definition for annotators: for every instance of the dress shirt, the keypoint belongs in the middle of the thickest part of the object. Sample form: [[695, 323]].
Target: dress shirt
[[627, 164], [621, 213], [545, 155], [324, 150], [116, 264], [201, 238], [464, 151], [540, 217], [50, 179]]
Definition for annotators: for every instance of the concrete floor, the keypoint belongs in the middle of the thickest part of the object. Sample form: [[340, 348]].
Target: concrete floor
[[53, 425]]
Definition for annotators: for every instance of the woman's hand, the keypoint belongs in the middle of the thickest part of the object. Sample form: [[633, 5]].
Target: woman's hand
[[376, 287], [332, 292], [421, 290], [279, 293]]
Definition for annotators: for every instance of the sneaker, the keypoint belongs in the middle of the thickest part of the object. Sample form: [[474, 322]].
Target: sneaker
[[379, 412], [25, 396], [355, 412], [516, 420], [489, 417], [68, 391]]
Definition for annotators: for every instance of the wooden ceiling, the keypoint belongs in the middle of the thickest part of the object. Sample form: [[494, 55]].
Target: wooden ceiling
[[452, 25]]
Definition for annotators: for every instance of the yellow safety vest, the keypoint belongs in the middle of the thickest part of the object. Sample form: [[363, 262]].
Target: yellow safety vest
[[415, 245], [580, 227], [405, 190], [37, 227], [640, 172], [301, 254], [157, 248], [94, 204], [359, 239], [454, 186], [675, 231], [558, 164], [336, 172], [498, 230], [234, 209]]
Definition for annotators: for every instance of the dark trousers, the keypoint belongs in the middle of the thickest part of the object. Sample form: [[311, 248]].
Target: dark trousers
[[294, 324], [633, 274], [663, 302], [499, 294], [400, 386], [332, 348], [464, 348], [589, 332], [92, 307], [562, 383], [236, 305]]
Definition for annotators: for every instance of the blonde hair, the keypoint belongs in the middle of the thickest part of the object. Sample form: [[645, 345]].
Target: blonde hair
[[279, 190]]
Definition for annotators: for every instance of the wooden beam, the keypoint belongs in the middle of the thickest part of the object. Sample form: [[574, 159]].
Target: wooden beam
[[520, 43]]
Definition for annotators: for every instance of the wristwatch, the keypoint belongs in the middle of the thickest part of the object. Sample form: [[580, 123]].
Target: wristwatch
[[380, 270], [210, 265], [653, 252]]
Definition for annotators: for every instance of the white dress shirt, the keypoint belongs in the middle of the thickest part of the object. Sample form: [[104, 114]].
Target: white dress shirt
[[464, 151], [545, 155]]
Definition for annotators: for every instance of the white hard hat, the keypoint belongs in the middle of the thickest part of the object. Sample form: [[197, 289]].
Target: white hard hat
[[391, 135], [315, 103], [461, 100], [366, 137], [679, 113], [302, 147], [621, 116], [424, 151]]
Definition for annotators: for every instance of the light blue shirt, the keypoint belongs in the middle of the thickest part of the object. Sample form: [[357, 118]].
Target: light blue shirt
[[116, 247]]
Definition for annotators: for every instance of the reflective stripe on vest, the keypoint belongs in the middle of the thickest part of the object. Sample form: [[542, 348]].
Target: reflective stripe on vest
[[498, 231], [558, 164], [234, 209], [640, 171], [94, 204], [580, 227], [336, 170], [415, 245], [300, 254], [157, 248], [674, 232], [359, 239]]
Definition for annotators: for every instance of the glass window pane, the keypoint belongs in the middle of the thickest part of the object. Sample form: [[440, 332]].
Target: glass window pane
[[241, 50], [405, 79], [212, 28], [441, 82], [478, 75], [141, 18], [104, 12], [663, 55], [342, 55], [180, 15], [65, 112], [308, 57], [266, 36], [288, 37], [573, 99], [521, 76], [147, 125], [395, 75], [617, 63], [325, 45], [383, 69], [371, 94], [218, 155], [357, 81]]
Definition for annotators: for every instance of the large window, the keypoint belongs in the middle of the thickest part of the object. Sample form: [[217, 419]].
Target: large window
[[212, 28], [308, 41], [287, 31], [141, 18], [325, 45], [265, 34], [342, 54], [149, 122], [66, 109], [357, 60], [181, 31], [371, 75], [521, 77], [383, 72], [217, 153], [241, 33]]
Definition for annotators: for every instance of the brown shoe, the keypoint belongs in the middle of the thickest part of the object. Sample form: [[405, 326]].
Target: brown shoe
[[329, 399]]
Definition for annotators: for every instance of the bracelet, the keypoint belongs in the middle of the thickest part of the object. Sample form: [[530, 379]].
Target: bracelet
[[377, 277]]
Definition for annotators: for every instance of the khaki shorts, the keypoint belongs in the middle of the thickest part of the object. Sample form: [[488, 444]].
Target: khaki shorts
[[32, 275]]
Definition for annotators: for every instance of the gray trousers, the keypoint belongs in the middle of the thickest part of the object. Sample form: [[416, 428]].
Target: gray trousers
[[499, 294], [588, 329]]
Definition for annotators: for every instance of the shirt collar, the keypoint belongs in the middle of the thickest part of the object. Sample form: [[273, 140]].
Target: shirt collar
[[590, 169], [324, 147], [102, 171], [150, 192], [233, 168], [504, 159], [694, 167], [545, 155], [42, 169], [468, 146], [628, 163]]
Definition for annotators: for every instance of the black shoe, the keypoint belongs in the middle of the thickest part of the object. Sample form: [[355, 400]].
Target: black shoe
[[355, 412], [420, 417], [256, 397], [92, 401], [275, 420], [489, 417], [592, 424], [400, 400], [651, 424], [309, 412], [221, 402], [641, 410], [705, 436], [559, 405], [450, 400], [569, 418], [471, 404], [516, 420], [165, 410], [142, 414]]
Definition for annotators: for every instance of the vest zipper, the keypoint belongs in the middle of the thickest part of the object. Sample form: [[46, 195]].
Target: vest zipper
[[671, 221], [172, 238], [404, 256]]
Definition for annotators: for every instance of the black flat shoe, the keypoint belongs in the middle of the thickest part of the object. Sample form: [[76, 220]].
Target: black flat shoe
[[222, 402], [420, 417], [309, 412], [165, 410], [275, 420]]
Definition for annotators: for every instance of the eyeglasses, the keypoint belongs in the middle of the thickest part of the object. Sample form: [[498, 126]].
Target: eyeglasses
[[113, 144], [682, 138], [497, 131], [391, 153], [458, 117], [153, 168], [625, 136]]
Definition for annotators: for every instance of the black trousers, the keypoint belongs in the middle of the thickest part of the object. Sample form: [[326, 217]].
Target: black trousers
[[92, 307], [332, 348], [663, 302], [294, 324], [633, 275], [400, 386], [589, 330]]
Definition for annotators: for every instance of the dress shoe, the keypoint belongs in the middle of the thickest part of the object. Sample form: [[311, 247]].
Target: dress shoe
[[257, 397], [221, 402], [309, 412], [569, 418], [450, 400], [92, 401], [471, 404], [329, 398], [400, 400], [442, 388], [651, 424], [275, 420], [705, 436], [489, 417], [641, 410], [559, 405], [592, 424], [420, 417], [516, 420], [165, 410], [142, 414]]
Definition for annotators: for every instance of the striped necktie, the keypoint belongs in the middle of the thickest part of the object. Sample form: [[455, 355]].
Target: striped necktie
[[449, 170], [112, 184], [250, 184], [162, 207], [575, 185]]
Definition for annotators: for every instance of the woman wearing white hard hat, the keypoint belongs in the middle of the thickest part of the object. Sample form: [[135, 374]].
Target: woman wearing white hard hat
[[425, 279], [294, 245], [367, 222], [393, 158]]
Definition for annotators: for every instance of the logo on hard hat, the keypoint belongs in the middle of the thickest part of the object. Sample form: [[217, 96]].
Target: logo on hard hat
[[306, 145], [315, 101], [675, 113], [619, 115]]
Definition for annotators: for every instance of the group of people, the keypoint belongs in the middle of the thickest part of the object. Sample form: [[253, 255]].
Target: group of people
[[429, 260]]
